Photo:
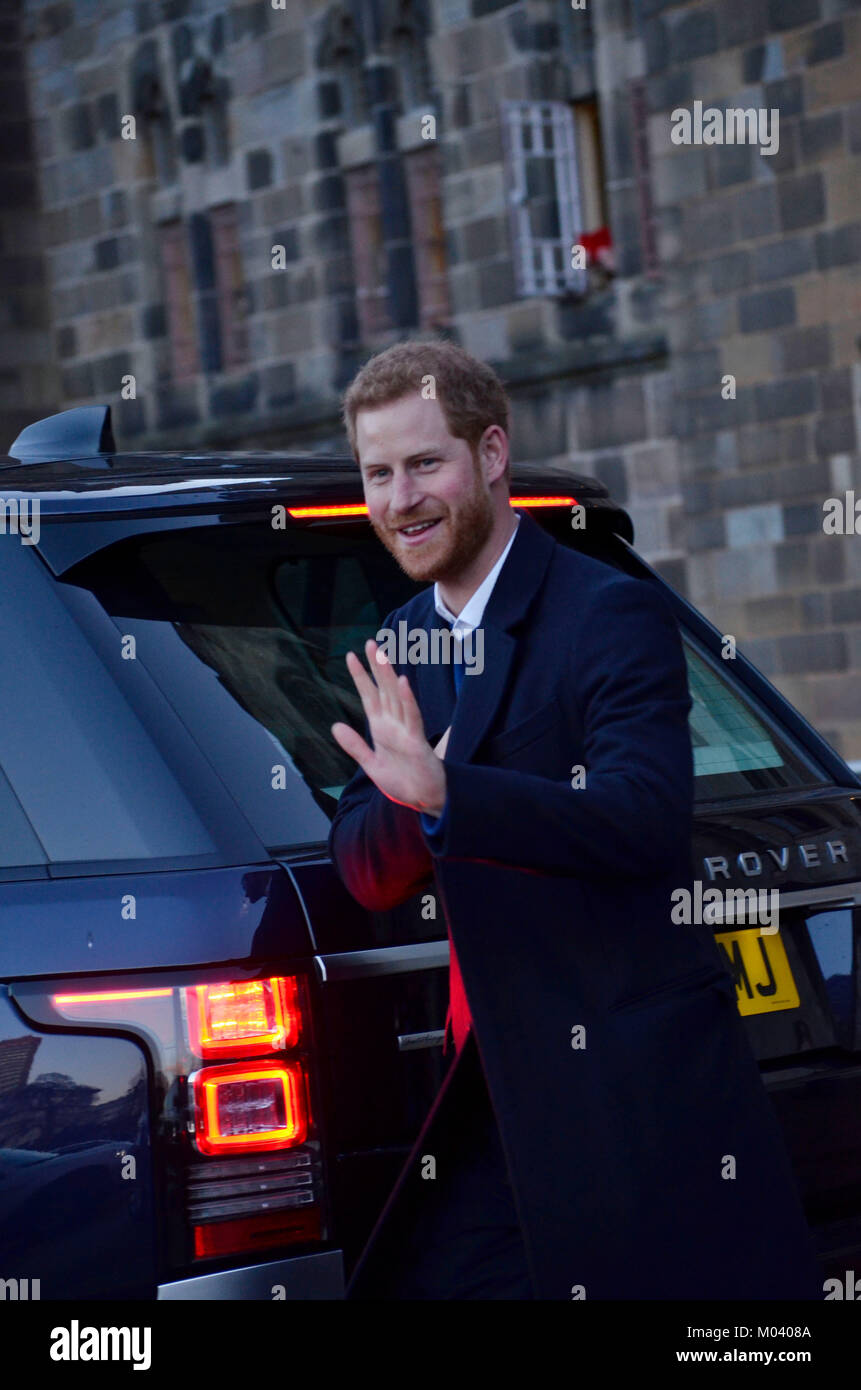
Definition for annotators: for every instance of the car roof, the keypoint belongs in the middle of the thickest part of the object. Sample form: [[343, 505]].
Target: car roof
[[70, 465]]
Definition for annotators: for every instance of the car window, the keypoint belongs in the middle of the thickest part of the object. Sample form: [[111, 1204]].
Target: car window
[[245, 629], [82, 778], [735, 750]]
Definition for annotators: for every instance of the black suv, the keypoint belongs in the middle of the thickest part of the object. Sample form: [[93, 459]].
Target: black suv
[[213, 1062]]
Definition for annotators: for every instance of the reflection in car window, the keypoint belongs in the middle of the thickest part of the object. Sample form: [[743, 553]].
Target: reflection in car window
[[76, 758], [245, 629], [265, 617], [734, 751]]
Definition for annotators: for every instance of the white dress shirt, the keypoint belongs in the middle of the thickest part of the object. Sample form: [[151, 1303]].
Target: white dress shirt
[[472, 612]]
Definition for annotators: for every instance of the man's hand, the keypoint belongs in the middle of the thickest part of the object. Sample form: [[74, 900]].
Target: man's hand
[[401, 763]]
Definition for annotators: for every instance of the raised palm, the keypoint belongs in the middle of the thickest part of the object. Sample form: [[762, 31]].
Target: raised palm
[[401, 763]]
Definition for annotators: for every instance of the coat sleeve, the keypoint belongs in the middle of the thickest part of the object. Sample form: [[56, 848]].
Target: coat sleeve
[[376, 844], [627, 681]]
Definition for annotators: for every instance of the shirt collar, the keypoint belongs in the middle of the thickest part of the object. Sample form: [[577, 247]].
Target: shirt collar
[[472, 612]]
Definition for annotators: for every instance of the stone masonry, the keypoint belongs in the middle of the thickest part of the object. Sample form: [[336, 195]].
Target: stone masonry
[[710, 377]]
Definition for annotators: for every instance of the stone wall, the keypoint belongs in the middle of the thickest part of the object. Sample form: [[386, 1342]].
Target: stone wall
[[728, 261]]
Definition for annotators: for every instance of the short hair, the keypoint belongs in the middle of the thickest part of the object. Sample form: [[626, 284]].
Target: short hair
[[470, 393]]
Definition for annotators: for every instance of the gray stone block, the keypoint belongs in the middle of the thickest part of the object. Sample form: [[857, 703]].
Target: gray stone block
[[814, 609], [800, 519], [729, 164], [698, 369], [793, 564], [496, 283], [804, 347], [787, 94], [757, 213], [693, 34], [777, 260], [667, 90], [758, 445], [804, 652], [538, 424], [839, 246], [836, 390], [765, 309], [234, 397], [708, 225], [828, 559], [609, 415], [846, 606], [821, 136], [790, 14], [792, 396], [176, 406], [835, 434], [485, 237], [706, 532], [825, 43], [801, 201], [698, 496], [742, 21]]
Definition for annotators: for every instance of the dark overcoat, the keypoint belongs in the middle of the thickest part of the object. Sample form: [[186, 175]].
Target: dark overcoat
[[644, 1153]]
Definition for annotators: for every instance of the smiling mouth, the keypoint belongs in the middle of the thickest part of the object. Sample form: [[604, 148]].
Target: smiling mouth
[[418, 528]]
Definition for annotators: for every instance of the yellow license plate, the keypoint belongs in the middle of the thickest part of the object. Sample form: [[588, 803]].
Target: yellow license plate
[[760, 969]]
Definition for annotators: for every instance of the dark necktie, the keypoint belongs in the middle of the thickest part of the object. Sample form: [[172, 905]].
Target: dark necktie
[[457, 668]]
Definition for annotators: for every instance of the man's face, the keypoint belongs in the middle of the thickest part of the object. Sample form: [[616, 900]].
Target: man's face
[[427, 499]]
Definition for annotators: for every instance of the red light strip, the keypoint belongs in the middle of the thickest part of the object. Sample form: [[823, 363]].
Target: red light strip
[[110, 996], [359, 508]]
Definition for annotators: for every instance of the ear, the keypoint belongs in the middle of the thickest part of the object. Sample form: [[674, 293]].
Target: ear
[[493, 453]]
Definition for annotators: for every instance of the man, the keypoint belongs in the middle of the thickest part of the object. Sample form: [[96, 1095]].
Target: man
[[602, 1131]]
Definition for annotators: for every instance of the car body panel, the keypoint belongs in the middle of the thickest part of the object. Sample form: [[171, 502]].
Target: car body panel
[[378, 981]]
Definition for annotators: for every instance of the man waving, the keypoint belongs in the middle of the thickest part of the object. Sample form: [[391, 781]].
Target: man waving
[[603, 1131]]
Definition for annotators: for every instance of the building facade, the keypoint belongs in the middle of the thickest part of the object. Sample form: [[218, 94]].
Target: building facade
[[232, 206]]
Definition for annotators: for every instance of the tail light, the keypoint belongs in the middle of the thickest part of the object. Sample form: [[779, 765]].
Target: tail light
[[245, 1018], [238, 1149], [248, 1108]]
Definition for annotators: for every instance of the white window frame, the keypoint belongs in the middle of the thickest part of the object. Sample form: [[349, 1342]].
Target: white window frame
[[534, 257]]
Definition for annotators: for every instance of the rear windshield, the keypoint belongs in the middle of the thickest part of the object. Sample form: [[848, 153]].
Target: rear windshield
[[245, 629], [246, 633]]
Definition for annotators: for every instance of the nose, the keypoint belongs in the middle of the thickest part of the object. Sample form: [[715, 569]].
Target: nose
[[405, 493]]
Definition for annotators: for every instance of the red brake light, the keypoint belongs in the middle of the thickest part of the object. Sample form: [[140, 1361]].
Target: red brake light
[[359, 508], [243, 1109], [243, 1018]]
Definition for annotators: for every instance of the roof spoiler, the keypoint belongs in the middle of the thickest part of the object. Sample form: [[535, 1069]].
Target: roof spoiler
[[82, 432]]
